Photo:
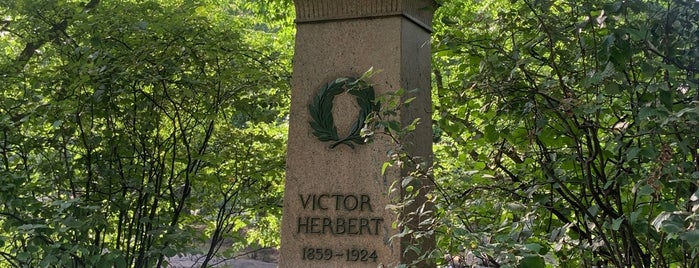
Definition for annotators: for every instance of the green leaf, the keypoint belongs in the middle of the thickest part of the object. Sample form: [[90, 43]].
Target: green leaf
[[665, 97], [668, 222], [646, 112], [169, 252], [491, 134], [632, 152], [533, 247], [616, 223], [49, 261], [384, 167], [634, 217], [691, 237], [23, 256], [672, 227], [393, 125], [532, 261], [645, 190]]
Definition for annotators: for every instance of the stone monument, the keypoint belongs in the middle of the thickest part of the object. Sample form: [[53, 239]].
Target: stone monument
[[335, 194]]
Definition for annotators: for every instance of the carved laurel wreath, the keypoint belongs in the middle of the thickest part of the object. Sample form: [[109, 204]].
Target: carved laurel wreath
[[321, 110]]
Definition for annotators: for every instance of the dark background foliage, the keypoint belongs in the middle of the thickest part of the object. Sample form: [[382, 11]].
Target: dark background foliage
[[132, 131]]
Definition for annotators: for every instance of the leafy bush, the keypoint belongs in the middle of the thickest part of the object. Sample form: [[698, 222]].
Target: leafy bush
[[134, 131], [569, 132]]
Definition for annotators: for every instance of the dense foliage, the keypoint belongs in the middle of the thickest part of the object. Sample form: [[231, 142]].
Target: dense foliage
[[570, 132], [131, 131]]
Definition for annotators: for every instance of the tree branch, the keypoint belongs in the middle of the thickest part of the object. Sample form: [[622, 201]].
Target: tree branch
[[31, 47]]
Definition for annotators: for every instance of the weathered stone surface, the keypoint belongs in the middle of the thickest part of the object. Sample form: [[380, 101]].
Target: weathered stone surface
[[335, 199], [420, 12]]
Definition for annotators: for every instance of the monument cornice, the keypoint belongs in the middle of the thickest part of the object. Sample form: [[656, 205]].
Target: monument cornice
[[418, 11]]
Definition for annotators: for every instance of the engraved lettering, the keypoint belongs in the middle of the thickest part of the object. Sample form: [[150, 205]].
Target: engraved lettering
[[378, 222], [302, 223], [327, 223], [338, 225], [314, 224], [351, 205], [337, 201], [350, 254], [365, 201], [304, 203], [364, 223], [352, 226], [339, 222], [320, 202]]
